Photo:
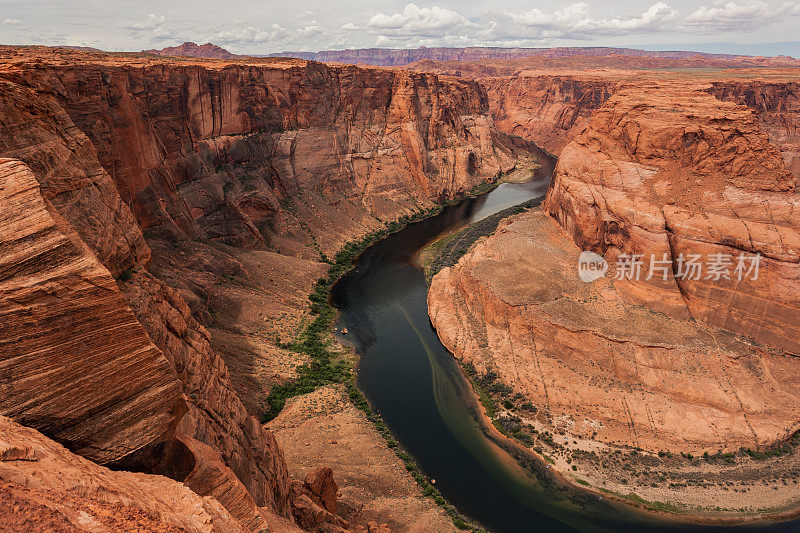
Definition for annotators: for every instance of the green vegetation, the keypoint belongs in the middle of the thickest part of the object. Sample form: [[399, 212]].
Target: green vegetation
[[482, 188], [658, 506], [447, 251], [775, 451], [326, 365], [485, 399]]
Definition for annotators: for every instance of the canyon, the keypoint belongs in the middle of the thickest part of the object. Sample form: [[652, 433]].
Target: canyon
[[164, 219], [160, 204]]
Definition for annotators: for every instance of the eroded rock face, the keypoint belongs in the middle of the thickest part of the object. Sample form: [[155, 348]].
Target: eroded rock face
[[216, 415], [596, 364], [314, 501], [189, 49], [279, 155], [669, 169], [74, 361], [64, 160], [548, 110], [43, 486], [218, 153], [664, 361], [382, 56], [39, 132], [777, 106]]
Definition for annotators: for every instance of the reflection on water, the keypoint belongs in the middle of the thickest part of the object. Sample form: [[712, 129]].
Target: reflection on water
[[415, 384]]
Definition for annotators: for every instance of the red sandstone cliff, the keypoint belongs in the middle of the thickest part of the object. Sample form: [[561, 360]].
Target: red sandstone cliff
[[76, 363], [394, 57], [212, 153], [777, 106], [547, 110], [282, 155], [45, 487], [661, 168], [668, 169]]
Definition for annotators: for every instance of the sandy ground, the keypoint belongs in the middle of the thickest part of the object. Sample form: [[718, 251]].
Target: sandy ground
[[251, 318], [324, 428]]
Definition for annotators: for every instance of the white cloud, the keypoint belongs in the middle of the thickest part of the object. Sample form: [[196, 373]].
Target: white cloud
[[311, 25], [435, 26], [152, 23], [155, 28], [574, 22], [276, 33], [745, 16], [416, 21]]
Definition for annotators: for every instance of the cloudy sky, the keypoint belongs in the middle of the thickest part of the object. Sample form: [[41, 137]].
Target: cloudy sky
[[763, 27]]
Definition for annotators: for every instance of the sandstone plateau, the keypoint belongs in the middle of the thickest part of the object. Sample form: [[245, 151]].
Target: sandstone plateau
[[669, 165], [394, 57], [208, 51]]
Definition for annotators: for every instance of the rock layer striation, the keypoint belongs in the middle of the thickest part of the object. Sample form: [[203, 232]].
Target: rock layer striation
[[656, 359]]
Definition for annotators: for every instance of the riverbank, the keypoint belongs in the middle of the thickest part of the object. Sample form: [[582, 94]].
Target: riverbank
[[716, 488], [448, 249], [552, 465], [360, 440], [325, 425]]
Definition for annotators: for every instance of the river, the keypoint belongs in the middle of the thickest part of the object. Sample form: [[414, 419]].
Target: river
[[415, 384]]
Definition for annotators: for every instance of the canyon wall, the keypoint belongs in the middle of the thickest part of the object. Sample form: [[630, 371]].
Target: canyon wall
[[599, 366], [75, 361], [777, 106], [198, 162], [44, 486], [669, 171], [212, 153], [393, 57], [656, 357], [549, 110]]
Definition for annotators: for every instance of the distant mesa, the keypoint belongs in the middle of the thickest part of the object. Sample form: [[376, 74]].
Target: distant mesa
[[400, 57], [208, 50], [396, 57]]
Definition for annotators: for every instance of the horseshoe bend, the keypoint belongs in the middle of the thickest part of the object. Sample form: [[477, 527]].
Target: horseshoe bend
[[211, 290]]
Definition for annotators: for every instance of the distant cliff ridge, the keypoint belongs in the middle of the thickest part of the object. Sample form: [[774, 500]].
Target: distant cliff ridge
[[398, 57], [392, 57]]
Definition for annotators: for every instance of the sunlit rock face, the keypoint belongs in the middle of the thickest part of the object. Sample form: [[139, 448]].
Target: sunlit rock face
[[663, 360], [75, 363], [669, 169]]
